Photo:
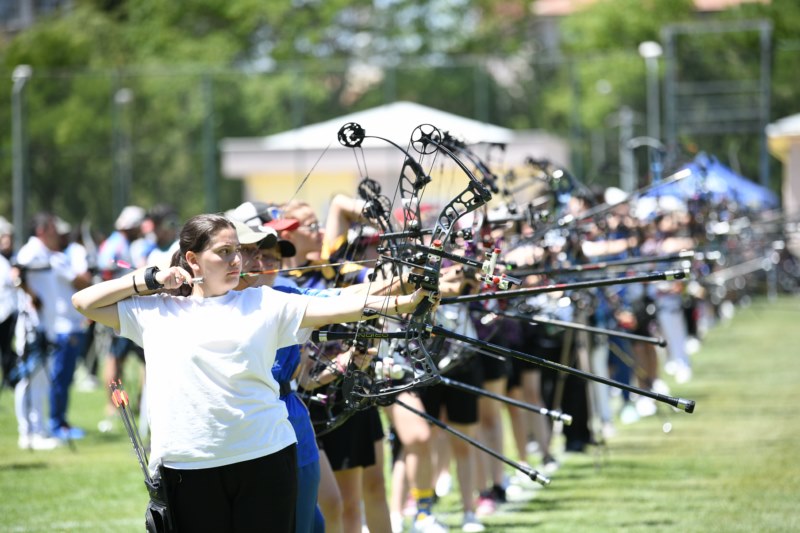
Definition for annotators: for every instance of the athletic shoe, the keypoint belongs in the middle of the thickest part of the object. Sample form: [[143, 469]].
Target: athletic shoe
[[443, 485], [532, 447], [69, 433], [646, 407], [628, 415], [498, 494], [105, 425], [429, 524], [485, 506], [549, 465], [410, 508], [660, 386], [608, 430], [37, 442], [471, 523], [683, 375], [692, 345], [523, 480], [397, 521]]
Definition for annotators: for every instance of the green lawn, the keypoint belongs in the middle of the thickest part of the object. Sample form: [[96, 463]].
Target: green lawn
[[728, 467]]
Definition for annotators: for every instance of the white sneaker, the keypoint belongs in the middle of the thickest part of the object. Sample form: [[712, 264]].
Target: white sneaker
[[549, 466], [37, 442], [105, 425], [628, 415], [683, 375], [608, 431], [692, 345], [397, 521], [646, 407], [522, 480], [429, 524], [471, 523], [660, 386], [444, 484], [410, 507], [532, 448]]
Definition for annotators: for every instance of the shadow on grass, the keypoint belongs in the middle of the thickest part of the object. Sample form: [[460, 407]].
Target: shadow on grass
[[23, 467], [647, 524], [505, 526]]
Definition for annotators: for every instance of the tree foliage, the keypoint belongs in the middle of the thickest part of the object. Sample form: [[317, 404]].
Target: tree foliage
[[250, 68]]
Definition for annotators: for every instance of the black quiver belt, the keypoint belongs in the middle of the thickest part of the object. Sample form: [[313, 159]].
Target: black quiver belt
[[158, 516]]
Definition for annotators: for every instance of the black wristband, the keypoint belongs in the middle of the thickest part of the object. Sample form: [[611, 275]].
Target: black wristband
[[135, 288], [150, 279]]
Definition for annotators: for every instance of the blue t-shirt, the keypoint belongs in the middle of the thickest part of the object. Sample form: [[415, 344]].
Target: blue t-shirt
[[286, 362]]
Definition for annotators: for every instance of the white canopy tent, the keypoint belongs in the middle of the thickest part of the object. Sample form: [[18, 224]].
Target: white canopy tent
[[783, 140], [273, 167]]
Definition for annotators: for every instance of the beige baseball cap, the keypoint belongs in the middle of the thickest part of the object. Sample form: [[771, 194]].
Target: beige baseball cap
[[250, 235]]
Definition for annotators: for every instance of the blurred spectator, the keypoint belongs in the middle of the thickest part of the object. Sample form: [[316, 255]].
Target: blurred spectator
[[8, 299], [165, 233], [51, 278], [114, 259]]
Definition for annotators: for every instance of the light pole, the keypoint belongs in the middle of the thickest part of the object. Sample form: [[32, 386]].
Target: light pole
[[20, 76], [656, 149], [651, 51], [122, 148]]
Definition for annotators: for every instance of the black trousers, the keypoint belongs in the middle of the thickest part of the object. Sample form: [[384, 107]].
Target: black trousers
[[8, 358], [252, 496]]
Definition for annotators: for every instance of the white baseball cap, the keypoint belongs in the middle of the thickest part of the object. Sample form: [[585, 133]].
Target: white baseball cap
[[130, 217]]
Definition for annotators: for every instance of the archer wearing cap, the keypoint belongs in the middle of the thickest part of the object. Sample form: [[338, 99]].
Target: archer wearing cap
[[251, 239], [259, 214]]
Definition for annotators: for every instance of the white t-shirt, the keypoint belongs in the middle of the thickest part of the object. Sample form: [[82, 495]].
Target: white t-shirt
[[211, 396], [50, 277], [8, 292]]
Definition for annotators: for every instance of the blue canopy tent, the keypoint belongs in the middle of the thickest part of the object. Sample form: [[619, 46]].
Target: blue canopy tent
[[714, 181], [744, 191]]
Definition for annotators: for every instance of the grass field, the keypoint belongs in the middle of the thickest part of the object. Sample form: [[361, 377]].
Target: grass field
[[731, 466]]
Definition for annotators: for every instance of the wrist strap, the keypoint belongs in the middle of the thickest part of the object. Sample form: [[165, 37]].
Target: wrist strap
[[135, 288], [150, 278]]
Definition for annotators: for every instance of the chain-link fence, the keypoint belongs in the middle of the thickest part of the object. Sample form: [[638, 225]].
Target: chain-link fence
[[88, 142]]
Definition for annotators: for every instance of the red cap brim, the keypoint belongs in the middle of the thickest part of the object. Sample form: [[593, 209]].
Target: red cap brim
[[281, 224]]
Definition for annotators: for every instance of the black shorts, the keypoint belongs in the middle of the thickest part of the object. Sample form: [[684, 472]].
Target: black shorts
[[494, 366], [538, 344], [352, 444], [462, 406], [242, 496]]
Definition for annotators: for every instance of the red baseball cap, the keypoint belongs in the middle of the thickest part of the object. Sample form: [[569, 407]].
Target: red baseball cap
[[281, 224], [259, 213]]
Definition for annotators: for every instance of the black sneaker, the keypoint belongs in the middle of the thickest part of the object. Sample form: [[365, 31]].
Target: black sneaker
[[498, 494]]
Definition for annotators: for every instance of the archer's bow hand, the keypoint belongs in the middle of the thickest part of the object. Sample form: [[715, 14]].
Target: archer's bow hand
[[409, 302], [454, 281]]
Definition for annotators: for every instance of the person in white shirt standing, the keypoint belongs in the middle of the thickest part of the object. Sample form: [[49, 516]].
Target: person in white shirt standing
[[218, 426], [50, 277]]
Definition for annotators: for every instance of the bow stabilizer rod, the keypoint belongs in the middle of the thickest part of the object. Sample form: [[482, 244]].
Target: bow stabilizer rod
[[679, 403], [667, 275], [533, 474]]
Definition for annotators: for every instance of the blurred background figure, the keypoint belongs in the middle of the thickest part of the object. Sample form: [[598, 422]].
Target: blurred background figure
[[164, 234], [51, 280], [8, 299], [114, 259]]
